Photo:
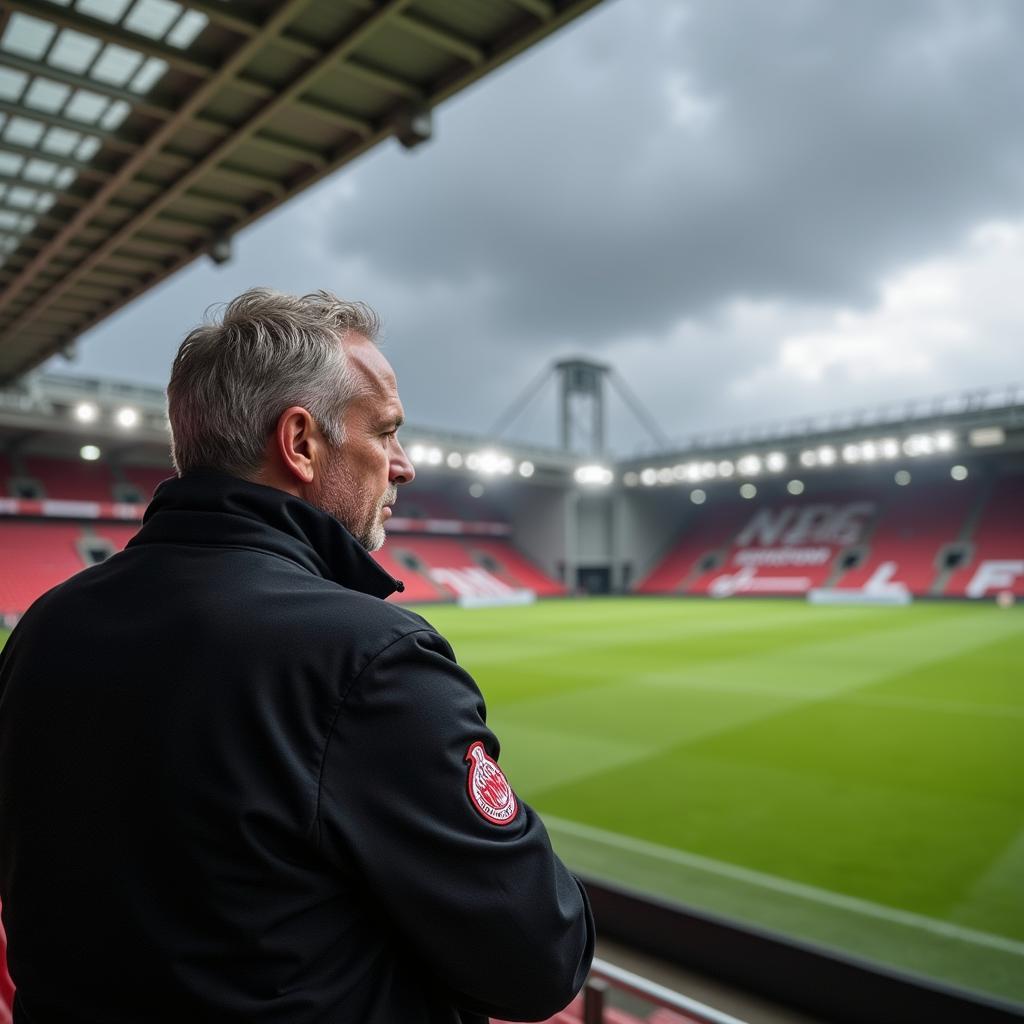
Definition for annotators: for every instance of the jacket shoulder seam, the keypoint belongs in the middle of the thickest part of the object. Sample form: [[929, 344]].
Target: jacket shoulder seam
[[341, 704]]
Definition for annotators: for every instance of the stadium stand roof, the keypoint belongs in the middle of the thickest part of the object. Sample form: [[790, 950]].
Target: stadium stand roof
[[136, 135]]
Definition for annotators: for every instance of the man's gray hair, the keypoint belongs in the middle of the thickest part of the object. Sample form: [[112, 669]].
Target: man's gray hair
[[233, 377]]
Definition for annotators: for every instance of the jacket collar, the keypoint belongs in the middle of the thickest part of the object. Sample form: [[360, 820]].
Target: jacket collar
[[209, 507]]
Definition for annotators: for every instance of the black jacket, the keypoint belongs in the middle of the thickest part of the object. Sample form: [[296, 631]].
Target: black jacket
[[237, 785]]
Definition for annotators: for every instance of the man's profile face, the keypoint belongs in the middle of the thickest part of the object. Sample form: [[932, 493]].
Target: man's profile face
[[360, 481]]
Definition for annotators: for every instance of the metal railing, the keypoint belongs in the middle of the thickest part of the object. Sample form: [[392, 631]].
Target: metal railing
[[604, 975]]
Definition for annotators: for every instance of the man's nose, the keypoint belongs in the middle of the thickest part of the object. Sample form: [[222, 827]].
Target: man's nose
[[402, 470]]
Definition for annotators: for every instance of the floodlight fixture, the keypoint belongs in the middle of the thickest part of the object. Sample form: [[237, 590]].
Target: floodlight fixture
[[827, 455], [889, 447], [869, 451], [434, 456], [594, 476], [417, 453], [454, 460], [649, 476], [944, 441], [127, 417], [665, 475], [902, 477], [708, 470], [89, 452], [775, 461], [87, 412], [476, 490], [987, 437], [795, 487], [473, 460], [697, 496], [631, 479], [680, 472], [726, 468], [958, 472], [749, 465], [748, 491], [919, 444], [808, 458], [220, 250], [851, 453], [526, 469]]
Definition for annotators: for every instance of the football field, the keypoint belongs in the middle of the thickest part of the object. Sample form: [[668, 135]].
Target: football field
[[851, 776]]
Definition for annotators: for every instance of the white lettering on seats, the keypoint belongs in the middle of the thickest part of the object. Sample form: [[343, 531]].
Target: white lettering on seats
[[1000, 575]]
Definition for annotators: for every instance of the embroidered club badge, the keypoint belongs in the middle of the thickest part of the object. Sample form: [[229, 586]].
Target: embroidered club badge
[[488, 788]]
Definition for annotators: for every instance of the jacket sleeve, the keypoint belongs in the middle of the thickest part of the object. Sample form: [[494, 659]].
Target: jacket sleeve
[[464, 869]]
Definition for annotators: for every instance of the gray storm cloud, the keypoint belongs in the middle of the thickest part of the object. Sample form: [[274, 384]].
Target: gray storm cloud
[[619, 189]]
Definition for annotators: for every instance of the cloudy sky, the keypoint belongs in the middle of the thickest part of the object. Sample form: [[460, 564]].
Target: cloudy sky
[[753, 211]]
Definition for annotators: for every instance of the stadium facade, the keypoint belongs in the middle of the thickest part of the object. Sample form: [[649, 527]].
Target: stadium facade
[[867, 508]]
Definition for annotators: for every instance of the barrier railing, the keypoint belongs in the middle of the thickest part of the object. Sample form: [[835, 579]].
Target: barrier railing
[[604, 975]]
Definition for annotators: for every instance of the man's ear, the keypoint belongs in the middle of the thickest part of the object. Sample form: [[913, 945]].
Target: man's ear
[[298, 445]]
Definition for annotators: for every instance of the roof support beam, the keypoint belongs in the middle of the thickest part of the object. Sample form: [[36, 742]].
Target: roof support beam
[[442, 37], [338, 52], [191, 106], [543, 9]]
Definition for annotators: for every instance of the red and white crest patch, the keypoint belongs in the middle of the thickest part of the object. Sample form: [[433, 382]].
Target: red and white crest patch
[[488, 788]]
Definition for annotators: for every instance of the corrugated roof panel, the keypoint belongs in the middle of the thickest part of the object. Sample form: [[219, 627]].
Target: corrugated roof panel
[[151, 128]]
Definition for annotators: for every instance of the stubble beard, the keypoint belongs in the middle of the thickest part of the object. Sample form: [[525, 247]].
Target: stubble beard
[[362, 515]]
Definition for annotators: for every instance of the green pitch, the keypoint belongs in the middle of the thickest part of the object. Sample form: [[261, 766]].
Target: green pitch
[[851, 776]]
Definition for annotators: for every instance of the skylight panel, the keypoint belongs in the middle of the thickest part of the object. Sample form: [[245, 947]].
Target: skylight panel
[[11, 221], [152, 18], [148, 76], [24, 198], [115, 115], [74, 51], [23, 132], [27, 36], [40, 171], [106, 10], [45, 202], [87, 149], [61, 141], [189, 25], [45, 95], [86, 106], [11, 83], [11, 163], [64, 177], [116, 65]]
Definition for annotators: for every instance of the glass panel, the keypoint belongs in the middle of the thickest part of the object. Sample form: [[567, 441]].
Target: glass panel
[[11, 163], [151, 71], [88, 149], [60, 141], [189, 26], [23, 197], [74, 51], [23, 132], [41, 171], [115, 115], [152, 17], [86, 106], [116, 65], [64, 177], [46, 200], [11, 83], [46, 95], [108, 10], [27, 37]]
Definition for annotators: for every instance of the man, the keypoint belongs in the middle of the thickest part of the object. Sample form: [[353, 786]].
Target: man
[[235, 784]]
